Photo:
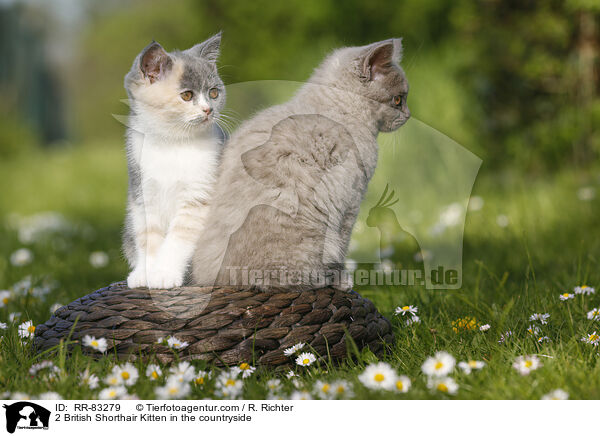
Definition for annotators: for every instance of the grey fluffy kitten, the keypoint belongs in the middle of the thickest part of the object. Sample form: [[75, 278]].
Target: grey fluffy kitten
[[173, 152], [293, 177]]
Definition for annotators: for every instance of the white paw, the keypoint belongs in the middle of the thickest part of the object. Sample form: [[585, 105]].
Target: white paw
[[160, 278], [137, 278]]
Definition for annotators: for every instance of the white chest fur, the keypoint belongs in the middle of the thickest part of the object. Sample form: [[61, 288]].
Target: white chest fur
[[173, 174]]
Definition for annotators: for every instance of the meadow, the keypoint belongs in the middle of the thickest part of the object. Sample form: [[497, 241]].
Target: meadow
[[528, 241]]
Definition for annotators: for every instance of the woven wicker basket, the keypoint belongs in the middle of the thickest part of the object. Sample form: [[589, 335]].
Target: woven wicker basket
[[221, 325]]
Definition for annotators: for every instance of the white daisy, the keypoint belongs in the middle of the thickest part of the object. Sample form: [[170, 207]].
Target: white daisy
[[379, 376], [341, 389], [98, 259], [274, 384], [41, 291], [23, 286], [19, 396], [21, 257], [200, 378], [184, 372], [90, 379], [323, 390], [525, 364], [127, 374], [592, 338], [99, 344], [33, 227], [46, 364], [584, 290], [566, 296], [446, 385], [586, 193], [541, 317], [413, 320], [175, 343], [403, 384], [245, 369], [543, 339], [153, 372], [173, 388], [557, 394], [113, 379], [112, 393], [406, 310], [292, 350], [485, 327], [49, 396], [305, 359], [441, 364], [300, 395], [594, 314], [228, 385], [470, 365], [5, 297], [27, 329], [3, 326], [533, 330], [475, 203], [291, 374], [502, 220]]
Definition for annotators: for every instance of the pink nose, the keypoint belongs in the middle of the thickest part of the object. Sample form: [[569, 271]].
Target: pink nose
[[207, 110]]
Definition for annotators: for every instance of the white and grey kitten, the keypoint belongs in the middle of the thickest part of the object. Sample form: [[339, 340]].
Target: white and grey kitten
[[173, 151], [292, 178]]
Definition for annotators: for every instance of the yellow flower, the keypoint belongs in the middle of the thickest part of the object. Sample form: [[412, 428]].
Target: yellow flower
[[153, 372], [246, 369], [465, 324]]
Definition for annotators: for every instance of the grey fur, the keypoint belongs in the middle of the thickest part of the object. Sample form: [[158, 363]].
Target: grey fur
[[292, 178], [208, 49], [202, 76]]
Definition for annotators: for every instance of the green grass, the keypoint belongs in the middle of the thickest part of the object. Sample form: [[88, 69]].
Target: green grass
[[550, 246]]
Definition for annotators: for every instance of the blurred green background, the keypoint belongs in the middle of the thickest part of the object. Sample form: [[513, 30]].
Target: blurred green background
[[515, 82]]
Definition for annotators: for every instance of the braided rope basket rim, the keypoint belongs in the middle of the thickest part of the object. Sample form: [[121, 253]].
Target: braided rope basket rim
[[230, 325]]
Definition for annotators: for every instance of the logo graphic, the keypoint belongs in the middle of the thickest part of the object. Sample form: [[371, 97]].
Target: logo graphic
[[26, 415]]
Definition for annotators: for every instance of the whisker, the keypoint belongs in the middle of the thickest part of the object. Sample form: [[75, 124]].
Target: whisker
[[231, 116], [226, 127]]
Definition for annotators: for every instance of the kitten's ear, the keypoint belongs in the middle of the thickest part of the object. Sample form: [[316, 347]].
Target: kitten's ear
[[208, 49], [377, 58], [155, 63]]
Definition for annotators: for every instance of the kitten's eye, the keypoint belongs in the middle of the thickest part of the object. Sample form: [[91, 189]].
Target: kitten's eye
[[397, 100], [186, 95], [213, 93]]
